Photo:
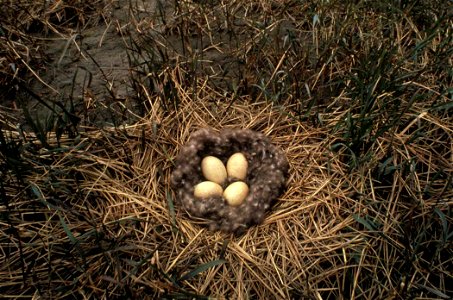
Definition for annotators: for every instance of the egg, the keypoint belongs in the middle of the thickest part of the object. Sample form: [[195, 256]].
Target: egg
[[237, 166], [236, 193], [207, 189], [213, 169]]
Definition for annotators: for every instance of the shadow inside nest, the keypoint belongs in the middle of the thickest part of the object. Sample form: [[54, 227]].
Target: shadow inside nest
[[266, 177]]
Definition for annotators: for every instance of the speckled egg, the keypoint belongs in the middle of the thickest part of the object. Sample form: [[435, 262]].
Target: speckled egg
[[237, 166], [213, 169], [207, 189]]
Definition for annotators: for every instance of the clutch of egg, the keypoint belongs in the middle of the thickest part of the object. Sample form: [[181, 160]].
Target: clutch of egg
[[215, 172]]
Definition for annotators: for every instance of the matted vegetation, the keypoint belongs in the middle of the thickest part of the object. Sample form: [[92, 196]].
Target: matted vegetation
[[358, 94]]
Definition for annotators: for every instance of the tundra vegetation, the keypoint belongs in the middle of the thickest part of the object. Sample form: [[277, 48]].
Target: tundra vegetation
[[97, 97]]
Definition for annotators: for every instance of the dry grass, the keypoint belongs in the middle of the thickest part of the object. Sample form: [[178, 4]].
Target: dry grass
[[21, 50], [359, 98]]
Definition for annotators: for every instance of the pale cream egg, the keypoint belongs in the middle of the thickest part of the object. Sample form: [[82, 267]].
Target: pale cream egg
[[207, 189], [236, 193], [213, 169], [237, 166]]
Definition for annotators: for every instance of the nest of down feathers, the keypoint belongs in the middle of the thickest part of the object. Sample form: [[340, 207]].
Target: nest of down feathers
[[266, 177]]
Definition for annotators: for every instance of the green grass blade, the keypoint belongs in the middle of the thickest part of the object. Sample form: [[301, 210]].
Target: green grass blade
[[444, 222], [368, 225], [65, 226], [202, 268], [66, 229], [171, 210]]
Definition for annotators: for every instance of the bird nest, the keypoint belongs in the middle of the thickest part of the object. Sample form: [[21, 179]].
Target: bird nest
[[266, 177]]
